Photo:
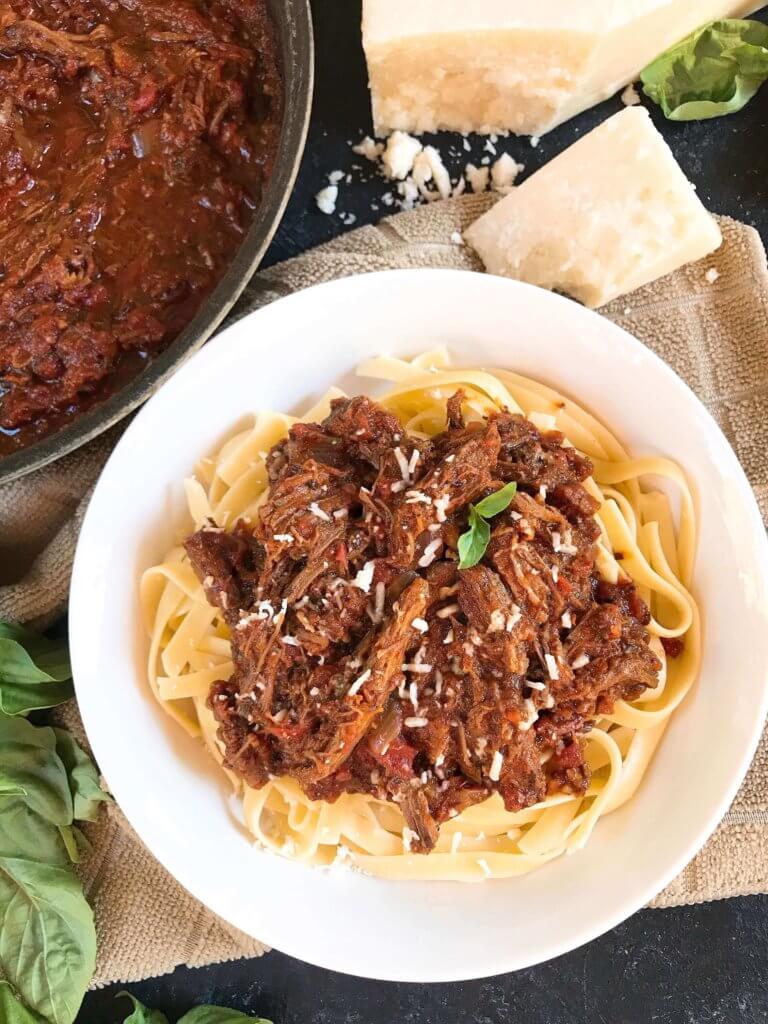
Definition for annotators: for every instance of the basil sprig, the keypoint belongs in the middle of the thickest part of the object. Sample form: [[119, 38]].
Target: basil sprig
[[474, 542], [714, 71]]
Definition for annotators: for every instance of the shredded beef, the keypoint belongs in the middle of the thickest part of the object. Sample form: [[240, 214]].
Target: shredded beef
[[366, 661]]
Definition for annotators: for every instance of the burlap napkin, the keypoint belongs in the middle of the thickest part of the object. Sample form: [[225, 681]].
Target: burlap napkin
[[714, 334]]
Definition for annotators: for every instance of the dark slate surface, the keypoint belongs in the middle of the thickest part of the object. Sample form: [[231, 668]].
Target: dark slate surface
[[697, 965]]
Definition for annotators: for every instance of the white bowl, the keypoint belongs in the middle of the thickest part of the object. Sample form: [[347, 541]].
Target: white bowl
[[176, 798]]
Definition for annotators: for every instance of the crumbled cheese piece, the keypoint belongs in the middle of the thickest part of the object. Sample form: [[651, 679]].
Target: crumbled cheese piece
[[535, 140], [283, 538], [421, 625], [416, 722], [477, 177], [439, 174], [581, 661], [314, 692], [630, 96], [513, 619], [419, 669], [368, 148], [497, 623], [403, 464], [448, 637], [566, 621], [531, 718], [534, 685], [316, 511], [335, 177], [359, 682], [290, 641], [378, 606], [504, 172], [430, 553], [497, 763], [326, 199], [400, 154], [552, 669], [364, 577], [417, 498], [409, 193], [441, 507]]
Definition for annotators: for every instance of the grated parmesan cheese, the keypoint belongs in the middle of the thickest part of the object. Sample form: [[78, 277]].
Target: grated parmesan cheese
[[316, 511], [552, 669], [326, 199], [430, 553], [359, 682], [496, 765], [364, 578]]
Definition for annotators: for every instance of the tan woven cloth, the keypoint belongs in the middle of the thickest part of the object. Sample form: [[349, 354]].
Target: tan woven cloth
[[714, 334]]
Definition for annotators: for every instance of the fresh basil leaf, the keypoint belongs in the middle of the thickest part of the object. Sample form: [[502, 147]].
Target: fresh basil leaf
[[83, 777], [496, 502], [142, 1014], [714, 71], [47, 938], [473, 543], [218, 1015], [70, 843], [24, 834], [34, 672], [12, 1011], [29, 763]]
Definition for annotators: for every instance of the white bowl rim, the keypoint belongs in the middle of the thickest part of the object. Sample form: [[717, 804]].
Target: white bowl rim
[[335, 291]]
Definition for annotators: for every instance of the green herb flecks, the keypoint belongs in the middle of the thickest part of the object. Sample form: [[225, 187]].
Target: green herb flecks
[[474, 542], [715, 71]]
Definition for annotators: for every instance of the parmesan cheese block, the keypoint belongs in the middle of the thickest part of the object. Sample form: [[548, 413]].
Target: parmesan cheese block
[[514, 65], [608, 215]]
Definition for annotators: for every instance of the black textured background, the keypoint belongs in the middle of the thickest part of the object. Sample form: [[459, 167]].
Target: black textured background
[[696, 965]]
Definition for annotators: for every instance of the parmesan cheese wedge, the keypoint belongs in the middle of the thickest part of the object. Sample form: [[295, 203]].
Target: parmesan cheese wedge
[[513, 65], [610, 214]]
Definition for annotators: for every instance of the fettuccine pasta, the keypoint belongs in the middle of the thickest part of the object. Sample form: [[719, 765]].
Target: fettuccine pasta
[[640, 537]]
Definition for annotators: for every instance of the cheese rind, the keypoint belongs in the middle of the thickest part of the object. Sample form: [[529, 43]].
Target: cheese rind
[[608, 215], [511, 65]]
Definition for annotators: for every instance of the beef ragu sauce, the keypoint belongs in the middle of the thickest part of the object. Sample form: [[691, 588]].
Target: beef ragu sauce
[[136, 138], [367, 661]]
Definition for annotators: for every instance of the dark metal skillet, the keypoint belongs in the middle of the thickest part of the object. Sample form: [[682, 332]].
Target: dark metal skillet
[[293, 21]]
